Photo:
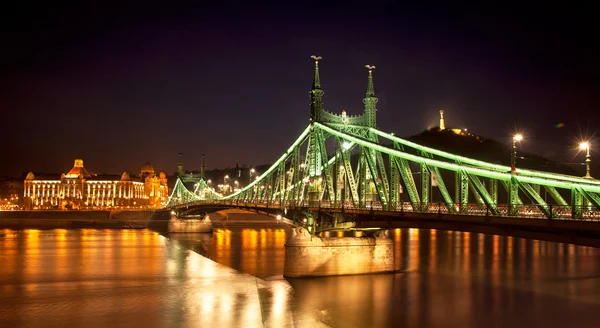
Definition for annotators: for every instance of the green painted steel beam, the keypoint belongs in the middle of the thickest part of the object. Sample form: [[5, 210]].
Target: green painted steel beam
[[534, 195], [482, 164], [484, 195], [505, 176]]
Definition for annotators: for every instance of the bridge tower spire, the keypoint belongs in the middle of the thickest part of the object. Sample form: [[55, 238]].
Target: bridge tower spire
[[316, 93], [370, 101]]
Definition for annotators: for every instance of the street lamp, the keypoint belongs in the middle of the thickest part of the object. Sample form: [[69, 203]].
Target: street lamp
[[250, 178], [586, 146], [513, 157]]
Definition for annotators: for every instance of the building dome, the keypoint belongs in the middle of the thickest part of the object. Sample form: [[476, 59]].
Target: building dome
[[162, 175], [147, 168], [30, 176], [125, 177], [78, 170]]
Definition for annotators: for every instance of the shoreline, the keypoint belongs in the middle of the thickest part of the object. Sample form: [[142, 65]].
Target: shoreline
[[107, 219]]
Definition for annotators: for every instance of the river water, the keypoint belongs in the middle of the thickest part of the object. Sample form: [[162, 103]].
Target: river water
[[232, 278]]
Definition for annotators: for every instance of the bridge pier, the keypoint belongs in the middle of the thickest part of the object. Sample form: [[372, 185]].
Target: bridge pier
[[311, 256]]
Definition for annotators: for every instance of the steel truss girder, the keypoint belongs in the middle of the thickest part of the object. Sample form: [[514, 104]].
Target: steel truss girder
[[355, 130], [576, 203], [381, 168], [361, 173], [326, 168], [381, 190], [590, 197], [463, 191], [441, 185], [407, 178], [425, 187], [350, 176], [534, 195], [286, 183], [476, 194], [394, 183], [483, 194], [494, 190], [528, 174], [556, 196], [484, 171], [506, 187]]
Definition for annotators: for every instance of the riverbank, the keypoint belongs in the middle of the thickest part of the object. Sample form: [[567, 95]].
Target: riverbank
[[116, 219]]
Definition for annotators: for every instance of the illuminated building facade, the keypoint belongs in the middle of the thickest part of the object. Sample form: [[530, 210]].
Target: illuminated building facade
[[78, 189]]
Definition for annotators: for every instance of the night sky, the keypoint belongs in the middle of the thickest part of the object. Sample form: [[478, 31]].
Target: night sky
[[121, 86]]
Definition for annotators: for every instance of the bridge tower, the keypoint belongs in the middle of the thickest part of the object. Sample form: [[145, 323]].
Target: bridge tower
[[370, 101], [316, 93]]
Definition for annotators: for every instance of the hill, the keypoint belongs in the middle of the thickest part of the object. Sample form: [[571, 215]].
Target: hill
[[489, 150]]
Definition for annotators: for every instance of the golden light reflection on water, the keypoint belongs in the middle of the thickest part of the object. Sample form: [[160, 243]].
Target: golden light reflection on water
[[448, 280], [32, 253], [413, 253]]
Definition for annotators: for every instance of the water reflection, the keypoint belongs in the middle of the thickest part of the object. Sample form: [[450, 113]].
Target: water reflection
[[130, 278], [99, 278]]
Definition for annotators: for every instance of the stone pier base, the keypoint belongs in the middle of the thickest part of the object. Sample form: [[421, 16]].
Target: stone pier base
[[310, 256]]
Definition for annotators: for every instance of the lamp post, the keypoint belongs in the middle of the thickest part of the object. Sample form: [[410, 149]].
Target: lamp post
[[513, 154], [586, 146]]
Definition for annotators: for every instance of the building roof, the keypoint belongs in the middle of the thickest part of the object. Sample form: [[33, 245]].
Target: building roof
[[147, 168], [78, 170]]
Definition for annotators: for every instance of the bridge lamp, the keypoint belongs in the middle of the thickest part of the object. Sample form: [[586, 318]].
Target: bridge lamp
[[346, 145], [278, 216], [513, 155], [586, 146]]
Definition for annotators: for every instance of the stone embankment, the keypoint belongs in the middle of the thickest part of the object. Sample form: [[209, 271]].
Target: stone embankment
[[115, 219]]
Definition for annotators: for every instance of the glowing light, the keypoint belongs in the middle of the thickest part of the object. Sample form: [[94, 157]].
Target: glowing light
[[518, 137], [584, 145], [278, 216], [346, 145]]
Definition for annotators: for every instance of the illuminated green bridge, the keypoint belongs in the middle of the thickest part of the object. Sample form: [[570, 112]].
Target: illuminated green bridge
[[344, 173]]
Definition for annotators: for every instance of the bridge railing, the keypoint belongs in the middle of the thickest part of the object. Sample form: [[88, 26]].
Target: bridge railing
[[529, 211]]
